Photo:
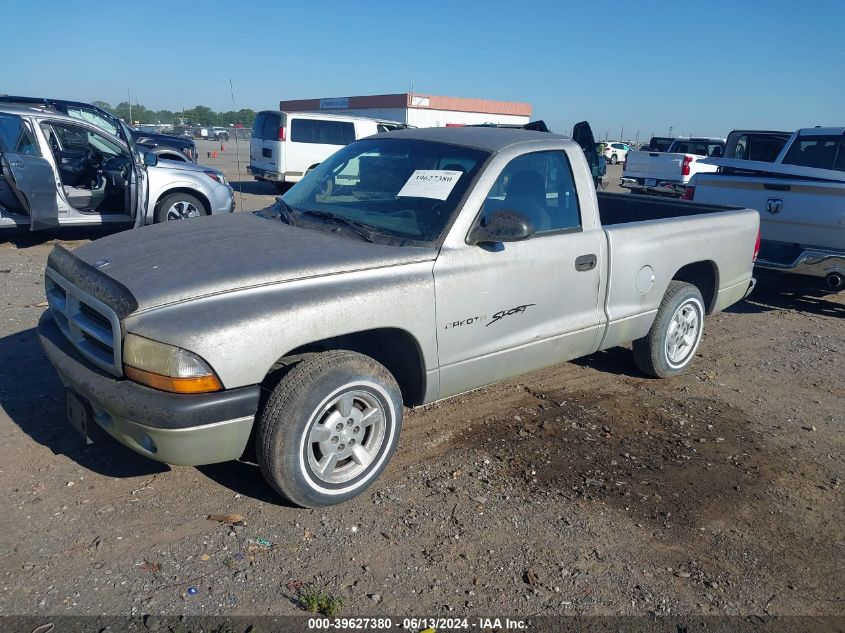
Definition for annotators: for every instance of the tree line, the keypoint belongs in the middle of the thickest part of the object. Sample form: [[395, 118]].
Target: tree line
[[198, 115]]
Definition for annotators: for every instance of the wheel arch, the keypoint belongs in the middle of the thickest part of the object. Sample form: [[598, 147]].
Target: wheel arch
[[704, 275], [182, 189], [397, 349]]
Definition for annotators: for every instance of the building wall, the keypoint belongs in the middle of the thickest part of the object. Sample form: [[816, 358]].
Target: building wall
[[421, 110], [429, 117], [388, 114]]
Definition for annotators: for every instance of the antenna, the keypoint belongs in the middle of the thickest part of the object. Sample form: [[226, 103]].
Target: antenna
[[237, 149]]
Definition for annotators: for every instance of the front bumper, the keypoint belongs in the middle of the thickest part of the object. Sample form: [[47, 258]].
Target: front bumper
[[222, 199], [178, 429]]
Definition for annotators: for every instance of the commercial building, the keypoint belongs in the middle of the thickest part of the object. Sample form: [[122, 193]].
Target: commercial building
[[419, 110]]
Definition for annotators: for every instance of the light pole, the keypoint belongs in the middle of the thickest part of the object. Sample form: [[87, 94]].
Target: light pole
[[670, 131]]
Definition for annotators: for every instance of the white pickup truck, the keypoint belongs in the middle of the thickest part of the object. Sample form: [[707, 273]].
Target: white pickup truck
[[801, 200], [668, 173]]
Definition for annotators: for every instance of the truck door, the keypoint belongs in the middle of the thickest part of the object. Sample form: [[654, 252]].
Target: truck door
[[28, 174], [505, 309]]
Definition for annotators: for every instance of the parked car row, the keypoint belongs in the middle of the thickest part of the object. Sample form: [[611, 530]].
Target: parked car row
[[669, 172]]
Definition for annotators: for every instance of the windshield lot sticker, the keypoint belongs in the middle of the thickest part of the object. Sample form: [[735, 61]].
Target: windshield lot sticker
[[501, 314], [430, 183]]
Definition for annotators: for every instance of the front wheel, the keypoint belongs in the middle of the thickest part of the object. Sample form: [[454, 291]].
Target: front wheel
[[670, 344], [329, 428], [179, 206]]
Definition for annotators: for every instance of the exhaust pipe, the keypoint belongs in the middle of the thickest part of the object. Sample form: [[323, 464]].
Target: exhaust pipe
[[834, 281]]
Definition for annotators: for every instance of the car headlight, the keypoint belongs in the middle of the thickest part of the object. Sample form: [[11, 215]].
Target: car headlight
[[166, 367], [218, 176]]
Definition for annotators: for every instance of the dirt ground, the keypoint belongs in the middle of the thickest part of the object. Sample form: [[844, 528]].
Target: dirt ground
[[585, 488]]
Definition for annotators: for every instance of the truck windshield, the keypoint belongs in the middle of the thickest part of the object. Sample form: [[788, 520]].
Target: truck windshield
[[401, 188]]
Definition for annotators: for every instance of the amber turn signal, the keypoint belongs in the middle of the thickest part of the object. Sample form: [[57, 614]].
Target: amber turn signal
[[197, 384]]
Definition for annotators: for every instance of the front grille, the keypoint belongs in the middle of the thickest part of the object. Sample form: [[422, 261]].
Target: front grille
[[90, 325]]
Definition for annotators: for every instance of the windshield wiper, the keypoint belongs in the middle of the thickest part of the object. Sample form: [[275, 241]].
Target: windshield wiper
[[359, 228]]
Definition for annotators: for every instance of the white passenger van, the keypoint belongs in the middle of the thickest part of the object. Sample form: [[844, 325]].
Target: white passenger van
[[285, 145]]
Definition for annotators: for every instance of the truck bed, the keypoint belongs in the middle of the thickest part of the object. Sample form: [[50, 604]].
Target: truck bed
[[623, 208], [651, 239]]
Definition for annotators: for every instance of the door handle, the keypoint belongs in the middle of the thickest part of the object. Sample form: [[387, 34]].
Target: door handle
[[585, 263], [17, 163]]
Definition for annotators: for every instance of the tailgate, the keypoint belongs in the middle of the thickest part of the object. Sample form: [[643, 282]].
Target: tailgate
[[657, 165], [792, 211]]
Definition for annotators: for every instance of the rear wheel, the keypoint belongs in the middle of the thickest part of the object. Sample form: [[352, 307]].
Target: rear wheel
[[179, 206], [329, 428], [614, 159], [671, 343]]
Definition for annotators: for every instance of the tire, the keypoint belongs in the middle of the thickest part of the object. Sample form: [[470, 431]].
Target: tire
[[613, 159], [320, 406], [667, 350], [179, 206]]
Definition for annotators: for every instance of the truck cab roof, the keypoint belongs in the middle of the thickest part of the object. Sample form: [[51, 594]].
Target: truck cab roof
[[821, 131], [491, 139]]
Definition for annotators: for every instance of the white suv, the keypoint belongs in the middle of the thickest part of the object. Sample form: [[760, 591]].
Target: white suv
[[615, 152]]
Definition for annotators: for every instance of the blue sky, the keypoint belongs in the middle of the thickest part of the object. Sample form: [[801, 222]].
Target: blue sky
[[701, 67]]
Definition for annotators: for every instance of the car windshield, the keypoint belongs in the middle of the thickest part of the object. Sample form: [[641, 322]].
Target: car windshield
[[399, 188]]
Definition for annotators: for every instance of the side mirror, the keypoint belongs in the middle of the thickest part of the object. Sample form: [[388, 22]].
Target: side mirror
[[150, 159], [502, 226]]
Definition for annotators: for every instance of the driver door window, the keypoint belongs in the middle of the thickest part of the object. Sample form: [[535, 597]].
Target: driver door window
[[540, 187]]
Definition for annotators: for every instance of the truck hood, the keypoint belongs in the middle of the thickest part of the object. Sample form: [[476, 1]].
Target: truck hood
[[167, 263]]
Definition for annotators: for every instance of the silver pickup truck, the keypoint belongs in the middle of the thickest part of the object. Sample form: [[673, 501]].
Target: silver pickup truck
[[408, 267]]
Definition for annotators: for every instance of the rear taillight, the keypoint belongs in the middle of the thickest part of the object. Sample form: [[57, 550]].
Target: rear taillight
[[689, 193], [685, 169], [756, 248], [281, 133]]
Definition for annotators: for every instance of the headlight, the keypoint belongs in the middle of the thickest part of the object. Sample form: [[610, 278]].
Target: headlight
[[166, 367], [216, 175]]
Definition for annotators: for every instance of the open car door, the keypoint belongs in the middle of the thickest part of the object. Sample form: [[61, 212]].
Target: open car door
[[583, 135], [28, 175]]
